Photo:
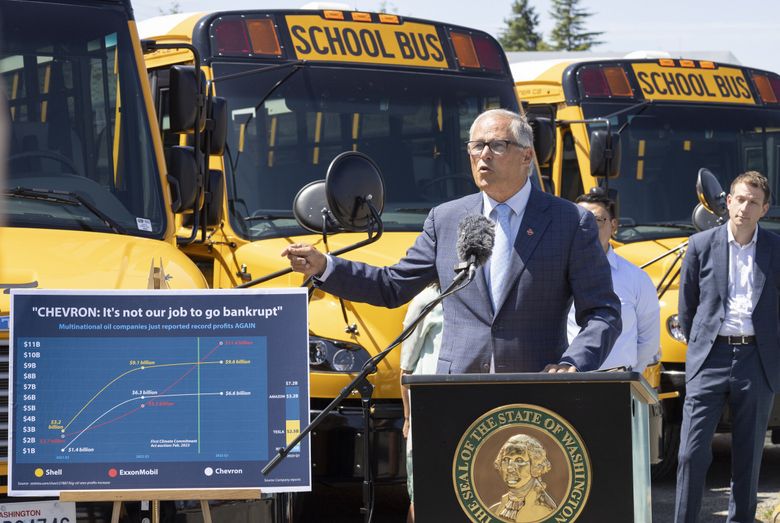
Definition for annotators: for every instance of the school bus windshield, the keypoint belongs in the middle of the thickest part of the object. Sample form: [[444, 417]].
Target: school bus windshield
[[663, 146], [413, 125], [74, 162]]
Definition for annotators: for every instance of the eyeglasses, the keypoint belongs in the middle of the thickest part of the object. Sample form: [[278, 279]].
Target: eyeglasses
[[476, 147]]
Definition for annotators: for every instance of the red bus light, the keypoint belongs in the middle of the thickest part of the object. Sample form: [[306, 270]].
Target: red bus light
[[488, 53], [605, 82], [594, 84], [230, 37]]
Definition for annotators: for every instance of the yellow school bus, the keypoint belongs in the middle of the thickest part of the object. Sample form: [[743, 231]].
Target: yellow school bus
[[301, 88], [86, 201], [663, 119]]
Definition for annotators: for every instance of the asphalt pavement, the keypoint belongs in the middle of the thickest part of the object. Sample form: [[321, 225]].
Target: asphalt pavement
[[716, 496], [341, 505]]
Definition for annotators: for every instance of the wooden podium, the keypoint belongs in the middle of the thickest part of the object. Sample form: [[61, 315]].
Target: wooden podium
[[531, 447]]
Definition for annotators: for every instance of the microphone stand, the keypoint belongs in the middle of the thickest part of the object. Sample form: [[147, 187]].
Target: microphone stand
[[464, 271]]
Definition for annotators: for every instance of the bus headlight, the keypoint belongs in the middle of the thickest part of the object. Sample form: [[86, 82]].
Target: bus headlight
[[674, 328], [326, 355]]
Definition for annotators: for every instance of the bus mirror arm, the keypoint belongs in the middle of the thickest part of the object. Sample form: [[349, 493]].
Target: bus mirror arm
[[605, 146], [668, 278], [373, 236], [195, 223]]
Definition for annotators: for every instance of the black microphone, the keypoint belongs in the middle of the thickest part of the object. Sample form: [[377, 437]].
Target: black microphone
[[475, 242]]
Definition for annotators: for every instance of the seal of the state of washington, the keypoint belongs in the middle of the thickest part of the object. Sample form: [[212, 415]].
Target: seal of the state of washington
[[521, 463]]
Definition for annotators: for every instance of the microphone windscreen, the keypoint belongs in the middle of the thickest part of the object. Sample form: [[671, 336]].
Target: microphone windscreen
[[475, 238]]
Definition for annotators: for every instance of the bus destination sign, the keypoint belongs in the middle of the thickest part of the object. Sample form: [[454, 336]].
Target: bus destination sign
[[408, 44], [720, 85]]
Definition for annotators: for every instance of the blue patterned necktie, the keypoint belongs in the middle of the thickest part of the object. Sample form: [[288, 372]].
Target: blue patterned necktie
[[502, 249]]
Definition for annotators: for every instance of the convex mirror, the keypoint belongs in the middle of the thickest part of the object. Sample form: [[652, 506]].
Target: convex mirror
[[353, 185], [310, 208], [711, 194]]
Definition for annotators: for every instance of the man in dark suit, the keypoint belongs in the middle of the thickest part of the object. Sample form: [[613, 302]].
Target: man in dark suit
[[729, 312], [512, 318]]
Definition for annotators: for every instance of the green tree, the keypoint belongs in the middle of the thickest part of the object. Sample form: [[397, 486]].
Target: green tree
[[173, 7], [569, 33], [387, 7], [521, 32]]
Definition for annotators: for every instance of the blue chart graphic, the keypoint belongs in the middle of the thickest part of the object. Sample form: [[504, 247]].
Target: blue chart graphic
[[157, 390], [107, 400]]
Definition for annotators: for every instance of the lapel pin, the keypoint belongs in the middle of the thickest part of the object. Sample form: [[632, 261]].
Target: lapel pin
[[530, 232]]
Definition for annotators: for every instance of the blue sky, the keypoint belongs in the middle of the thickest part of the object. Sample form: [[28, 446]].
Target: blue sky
[[750, 29]]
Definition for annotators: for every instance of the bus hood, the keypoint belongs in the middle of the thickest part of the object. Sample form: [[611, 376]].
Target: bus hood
[[673, 350], [55, 259], [640, 253]]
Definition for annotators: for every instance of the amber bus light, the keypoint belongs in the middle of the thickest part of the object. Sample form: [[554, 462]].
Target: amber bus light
[[263, 36]]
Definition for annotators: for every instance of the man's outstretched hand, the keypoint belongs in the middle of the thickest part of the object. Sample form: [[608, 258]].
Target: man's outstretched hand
[[552, 368], [305, 259]]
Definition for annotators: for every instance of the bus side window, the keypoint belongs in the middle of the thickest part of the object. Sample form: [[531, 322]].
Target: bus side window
[[571, 180]]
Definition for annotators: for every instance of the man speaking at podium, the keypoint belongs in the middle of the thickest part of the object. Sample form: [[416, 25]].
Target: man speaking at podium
[[512, 318]]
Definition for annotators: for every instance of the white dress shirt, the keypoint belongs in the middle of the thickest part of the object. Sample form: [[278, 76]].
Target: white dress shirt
[[639, 342], [741, 298]]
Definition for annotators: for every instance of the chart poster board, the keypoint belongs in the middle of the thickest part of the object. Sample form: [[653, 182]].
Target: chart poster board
[[127, 390]]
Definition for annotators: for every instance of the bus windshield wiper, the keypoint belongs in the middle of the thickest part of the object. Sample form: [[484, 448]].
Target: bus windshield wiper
[[67, 197], [604, 120], [269, 216], [296, 66], [264, 69], [638, 107]]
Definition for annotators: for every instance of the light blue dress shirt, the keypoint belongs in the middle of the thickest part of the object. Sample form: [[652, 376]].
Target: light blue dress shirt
[[639, 342]]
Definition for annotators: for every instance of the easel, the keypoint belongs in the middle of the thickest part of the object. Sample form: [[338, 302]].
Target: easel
[[120, 496]]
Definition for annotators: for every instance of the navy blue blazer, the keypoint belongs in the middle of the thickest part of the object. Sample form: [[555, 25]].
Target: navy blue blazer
[[704, 290], [557, 258]]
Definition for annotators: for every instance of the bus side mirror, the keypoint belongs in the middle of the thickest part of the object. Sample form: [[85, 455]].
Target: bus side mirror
[[218, 116], [355, 191], [604, 151], [703, 219], [182, 176], [544, 137], [215, 193], [185, 98], [310, 208], [710, 193]]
